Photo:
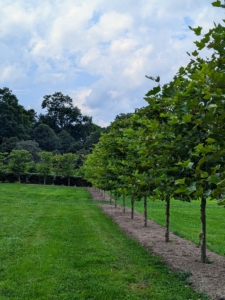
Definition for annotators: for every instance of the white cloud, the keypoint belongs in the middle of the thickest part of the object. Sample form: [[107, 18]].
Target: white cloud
[[122, 46], [110, 26], [13, 74], [79, 99], [62, 44]]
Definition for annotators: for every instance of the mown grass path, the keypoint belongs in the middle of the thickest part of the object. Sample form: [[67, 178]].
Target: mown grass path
[[55, 243]]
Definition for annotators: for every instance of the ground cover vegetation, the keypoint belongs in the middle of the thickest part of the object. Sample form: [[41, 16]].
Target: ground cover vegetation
[[173, 147], [56, 243]]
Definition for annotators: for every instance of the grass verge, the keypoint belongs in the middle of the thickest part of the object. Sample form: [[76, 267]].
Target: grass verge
[[185, 220]]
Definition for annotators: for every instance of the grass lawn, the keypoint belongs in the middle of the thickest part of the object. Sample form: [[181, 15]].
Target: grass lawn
[[55, 243], [185, 220]]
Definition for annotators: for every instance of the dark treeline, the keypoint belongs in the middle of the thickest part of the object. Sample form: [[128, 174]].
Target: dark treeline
[[60, 129]]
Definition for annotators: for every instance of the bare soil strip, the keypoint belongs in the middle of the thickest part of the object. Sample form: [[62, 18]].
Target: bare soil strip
[[179, 254]]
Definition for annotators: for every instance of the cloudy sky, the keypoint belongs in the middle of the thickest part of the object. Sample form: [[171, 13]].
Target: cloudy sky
[[96, 51]]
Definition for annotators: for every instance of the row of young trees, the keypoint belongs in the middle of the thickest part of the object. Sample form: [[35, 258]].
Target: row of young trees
[[175, 146], [19, 162]]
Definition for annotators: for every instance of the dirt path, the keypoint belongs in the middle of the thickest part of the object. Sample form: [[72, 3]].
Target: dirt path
[[179, 254]]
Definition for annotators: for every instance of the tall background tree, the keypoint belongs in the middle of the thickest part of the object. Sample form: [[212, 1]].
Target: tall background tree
[[15, 120], [63, 115], [61, 129], [46, 138]]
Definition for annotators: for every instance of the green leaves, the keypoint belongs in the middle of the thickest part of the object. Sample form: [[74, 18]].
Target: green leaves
[[210, 141], [214, 179], [154, 91], [216, 3], [156, 79], [195, 53], [188, 164], [181, 190], [180, 181], [204, 149], [187, 118], [197, 30]]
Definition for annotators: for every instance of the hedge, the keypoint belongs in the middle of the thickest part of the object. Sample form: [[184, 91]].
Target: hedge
[[35, 178]]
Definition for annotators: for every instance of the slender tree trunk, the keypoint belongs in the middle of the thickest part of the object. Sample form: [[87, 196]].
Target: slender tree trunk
[[167, 235], [145, 212], [124, 203], [132, 207], [203, 234]]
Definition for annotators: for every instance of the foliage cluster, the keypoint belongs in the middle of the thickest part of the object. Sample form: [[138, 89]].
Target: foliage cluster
[[175, 146], [62, 128]]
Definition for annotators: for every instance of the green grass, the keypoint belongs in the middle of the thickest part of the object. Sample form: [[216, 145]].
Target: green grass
[[185, 220], [55, 243]]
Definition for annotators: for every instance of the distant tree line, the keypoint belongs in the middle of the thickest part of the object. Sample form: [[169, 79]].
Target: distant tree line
[[61, 129], [19, 164]]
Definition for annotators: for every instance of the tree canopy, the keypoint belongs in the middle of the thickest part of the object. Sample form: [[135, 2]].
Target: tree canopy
[[59, 129], [63, 115], [15, 121]]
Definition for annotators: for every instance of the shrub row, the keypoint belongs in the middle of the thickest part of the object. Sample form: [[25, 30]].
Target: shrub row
[[35, 178]]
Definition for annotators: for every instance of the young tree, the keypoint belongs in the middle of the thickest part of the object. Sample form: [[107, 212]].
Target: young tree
[[3, 166], [44, 167], [19, 162], [68, 163], [56, 163]]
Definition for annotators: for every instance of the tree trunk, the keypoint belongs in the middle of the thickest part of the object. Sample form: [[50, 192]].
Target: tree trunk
[[145, 212], [132, 207], [124, 203], [203, 234], [167, 238]]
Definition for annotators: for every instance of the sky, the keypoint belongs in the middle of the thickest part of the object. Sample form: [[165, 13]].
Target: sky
[[96, 51]]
